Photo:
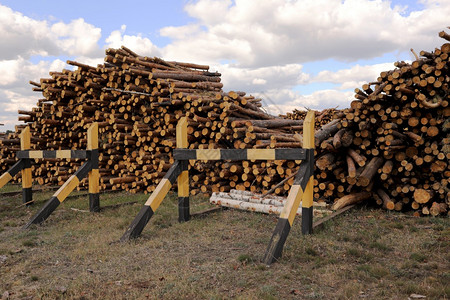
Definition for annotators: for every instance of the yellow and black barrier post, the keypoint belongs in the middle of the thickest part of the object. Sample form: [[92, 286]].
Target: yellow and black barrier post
[[27, 181], [182, 156], [62, 193], [308, 198], [153, 202], [301, 191], [6, 177], [183, 179], [94, 175], [24, 165]]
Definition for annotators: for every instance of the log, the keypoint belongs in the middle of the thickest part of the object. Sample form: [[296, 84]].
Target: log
[[369, 171], [350, 199], [326, 131], [387, 203], [422, 196], [274, 123]]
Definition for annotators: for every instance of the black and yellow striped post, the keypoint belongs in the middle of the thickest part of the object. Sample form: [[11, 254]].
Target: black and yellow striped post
[[301, 191], [86, 169], [94, 175], [25, 144], [307, 201], [183, 178], [153, 202], [16, 168], [60, 195]]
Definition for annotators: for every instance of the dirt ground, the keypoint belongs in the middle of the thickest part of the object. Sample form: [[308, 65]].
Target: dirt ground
[[362, 254]]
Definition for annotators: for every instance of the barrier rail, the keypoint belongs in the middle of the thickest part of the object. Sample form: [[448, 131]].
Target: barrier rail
[[301, 190], [89, 168]]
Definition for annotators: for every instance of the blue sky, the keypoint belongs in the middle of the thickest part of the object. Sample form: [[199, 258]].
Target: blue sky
[[141, 16], [297, 53]]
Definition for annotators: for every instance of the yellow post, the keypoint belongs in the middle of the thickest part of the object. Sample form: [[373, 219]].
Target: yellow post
[[308, 130], [27, 181], [88, 168], [307, 200], [183, 178], [94, 175], [301, 190], [92, 137]]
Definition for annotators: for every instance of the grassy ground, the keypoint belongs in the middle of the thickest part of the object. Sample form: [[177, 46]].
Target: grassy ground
[[362, 254], [11, 188]]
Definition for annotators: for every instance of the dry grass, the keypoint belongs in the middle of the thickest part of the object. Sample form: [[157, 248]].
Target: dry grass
[[363, 254], [10, 187]]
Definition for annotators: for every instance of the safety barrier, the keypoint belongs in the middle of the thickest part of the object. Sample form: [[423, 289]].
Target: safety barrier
[[301, 190], [89, 168]]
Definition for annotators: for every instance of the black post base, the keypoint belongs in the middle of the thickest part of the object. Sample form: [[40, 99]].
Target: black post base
[[138, 224], [276, 244], [94, 202], [44, 212], [307, 220], [183, 209], [27, 196]]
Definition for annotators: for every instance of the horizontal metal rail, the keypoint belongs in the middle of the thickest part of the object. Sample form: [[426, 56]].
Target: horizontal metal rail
[[240, 154], [43, 154]]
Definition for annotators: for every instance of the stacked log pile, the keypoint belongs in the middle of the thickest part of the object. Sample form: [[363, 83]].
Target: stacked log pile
[[137, 102], [321, 117], [9, 143], [391, 145]]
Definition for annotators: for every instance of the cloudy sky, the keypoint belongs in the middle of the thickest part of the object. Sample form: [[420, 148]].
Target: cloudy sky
[[293, 54]]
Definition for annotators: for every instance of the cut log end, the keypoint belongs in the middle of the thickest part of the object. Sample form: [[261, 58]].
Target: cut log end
[[422, 196]]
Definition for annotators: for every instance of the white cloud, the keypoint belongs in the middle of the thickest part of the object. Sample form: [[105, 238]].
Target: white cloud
[[14, 73], [274, 84], [354, 76], [77, 37], [23, 37], [18, 101], [275, 32], [9, 71], [205, 47], [180, 32], [139, 44], [214, 10], [15, 91], [281, 101], [8, 121], [262, 79], [259, 81]]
